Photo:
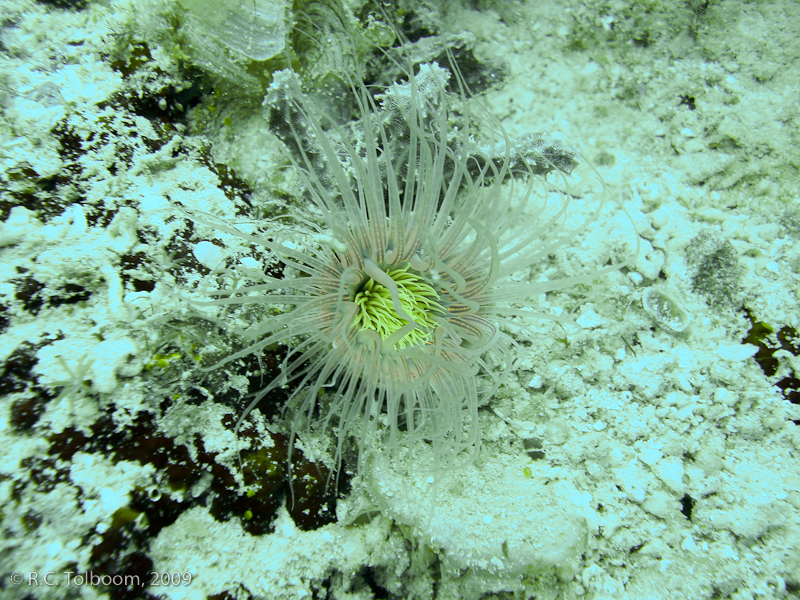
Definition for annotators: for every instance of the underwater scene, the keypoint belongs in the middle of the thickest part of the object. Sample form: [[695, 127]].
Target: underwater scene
[[432, 300]]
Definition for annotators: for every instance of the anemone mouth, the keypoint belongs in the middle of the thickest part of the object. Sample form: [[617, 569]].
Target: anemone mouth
[[398, 304]]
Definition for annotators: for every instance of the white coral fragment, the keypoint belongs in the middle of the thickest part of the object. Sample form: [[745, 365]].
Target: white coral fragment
[[226, 36]]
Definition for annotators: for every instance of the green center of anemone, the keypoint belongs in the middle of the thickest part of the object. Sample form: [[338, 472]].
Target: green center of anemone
[[417, 299]]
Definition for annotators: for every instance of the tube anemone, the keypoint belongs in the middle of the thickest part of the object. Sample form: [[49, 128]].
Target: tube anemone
[[429, 212]]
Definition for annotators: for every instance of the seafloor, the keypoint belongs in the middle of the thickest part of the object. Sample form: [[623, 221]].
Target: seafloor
[[648, 451]]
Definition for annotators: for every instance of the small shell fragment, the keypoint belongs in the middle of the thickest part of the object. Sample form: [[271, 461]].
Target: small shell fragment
[[665, 310]]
